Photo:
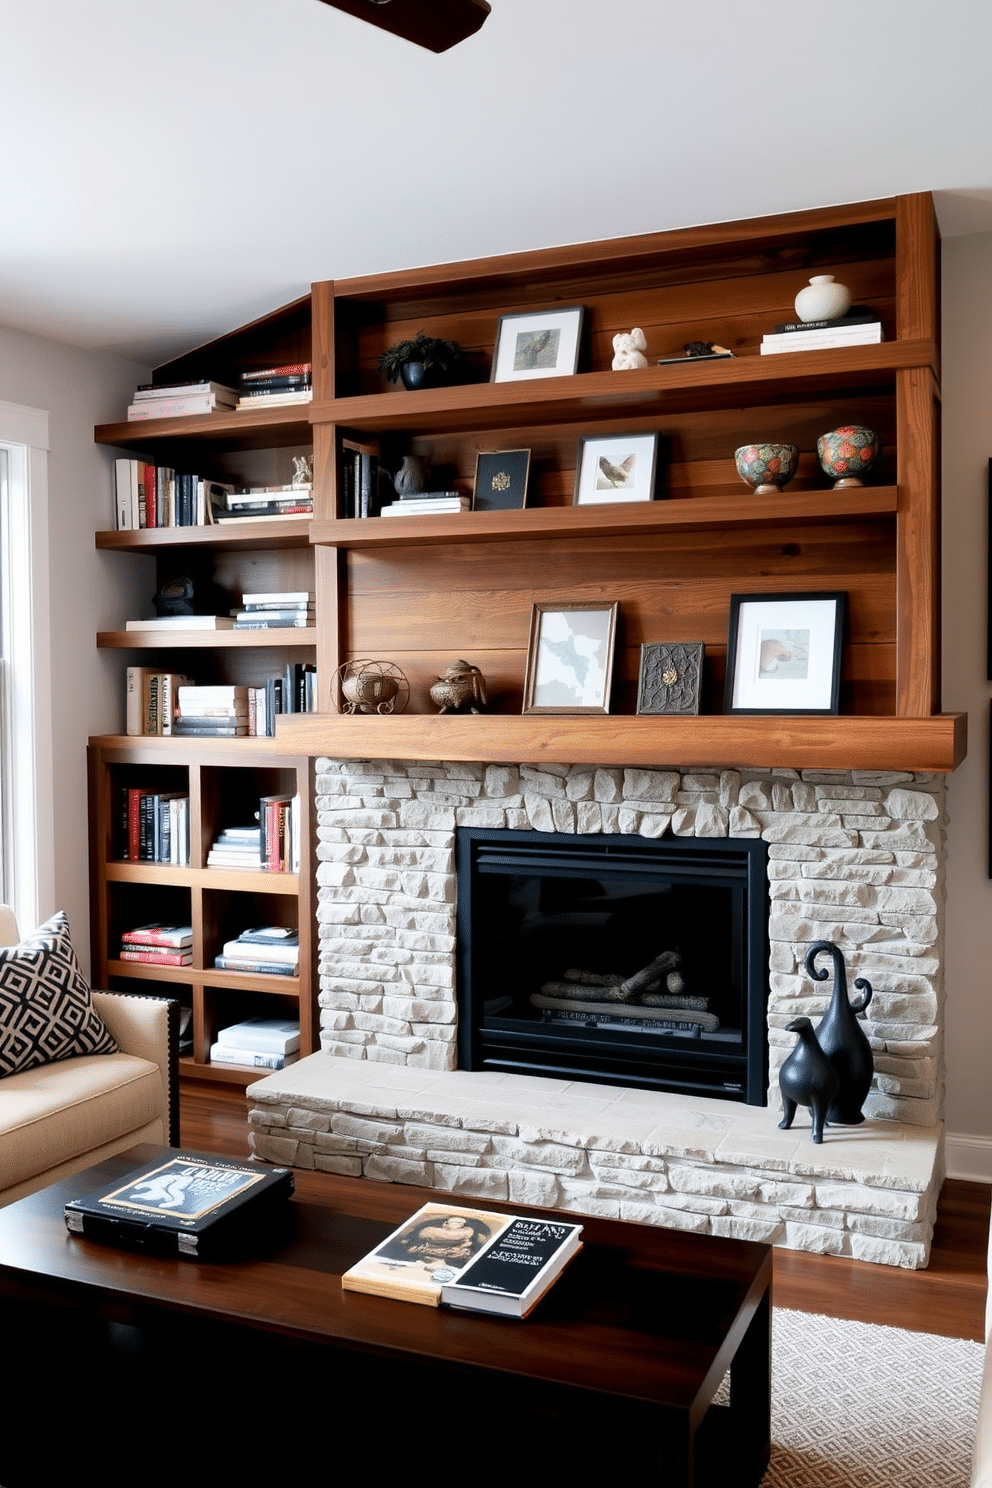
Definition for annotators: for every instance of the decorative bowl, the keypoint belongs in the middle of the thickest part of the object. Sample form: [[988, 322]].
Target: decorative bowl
[[766, 467], [848, 453]]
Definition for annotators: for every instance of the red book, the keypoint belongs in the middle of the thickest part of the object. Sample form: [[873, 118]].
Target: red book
[[175, 937], [287, 371], [134, 796], [158, 958], [149, 471]]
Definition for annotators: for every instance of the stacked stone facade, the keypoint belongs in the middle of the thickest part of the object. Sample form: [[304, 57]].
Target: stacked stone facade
[[854, 857]]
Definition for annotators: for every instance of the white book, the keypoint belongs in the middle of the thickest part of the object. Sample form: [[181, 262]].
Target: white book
[[254, 1058], [862, 335], [243, 950], [123, 504], [275, 400], [277, 598], [155, 408], [185, 390], [270, 1035], [183, 622]]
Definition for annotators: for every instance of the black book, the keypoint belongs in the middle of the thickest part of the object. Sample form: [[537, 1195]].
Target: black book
[[861, 316], [187, 1204], [513, 1272]]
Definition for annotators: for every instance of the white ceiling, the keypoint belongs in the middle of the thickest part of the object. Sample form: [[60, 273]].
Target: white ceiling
[[172, 168]]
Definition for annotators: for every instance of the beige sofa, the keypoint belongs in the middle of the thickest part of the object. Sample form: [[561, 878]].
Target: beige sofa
[[58, 1118], [981, 1476]]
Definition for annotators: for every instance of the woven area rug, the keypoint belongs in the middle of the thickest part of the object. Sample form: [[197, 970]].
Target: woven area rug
[[860, 1406]]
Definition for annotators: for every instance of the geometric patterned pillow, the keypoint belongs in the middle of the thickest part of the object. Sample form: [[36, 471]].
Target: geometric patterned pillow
[[45, 1008]]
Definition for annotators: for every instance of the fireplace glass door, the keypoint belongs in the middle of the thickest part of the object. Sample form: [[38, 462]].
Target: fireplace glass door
[[615, 959]]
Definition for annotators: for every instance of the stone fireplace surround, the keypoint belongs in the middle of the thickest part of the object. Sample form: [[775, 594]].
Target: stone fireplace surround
[[855, 857]]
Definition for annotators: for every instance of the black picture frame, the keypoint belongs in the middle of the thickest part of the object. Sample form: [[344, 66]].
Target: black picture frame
[[501, 480], [670, 678], [765, 676]]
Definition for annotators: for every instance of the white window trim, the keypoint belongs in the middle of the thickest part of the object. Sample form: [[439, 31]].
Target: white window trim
[[29, 825]]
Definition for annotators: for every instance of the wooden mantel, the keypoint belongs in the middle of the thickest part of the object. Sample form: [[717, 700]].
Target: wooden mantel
[[937, 743]]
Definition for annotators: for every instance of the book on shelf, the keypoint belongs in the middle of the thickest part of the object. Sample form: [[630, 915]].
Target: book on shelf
[[274, 620], [212, 701], [147, 496], [278, 953], [250, 1058], [512, 1273], [153, 956], [236, 847], [855, 316], [277, 383], [175, 937], [279, 817], [276, 935], [278, 598], [274, 400], [180, 406], [202, 728], [293, 514], [186, 1203], [868, 333], [269, 1035], [427, 507], [151, 391], [155, 826], [427, 1251], [151, 700], [254, 968], [182, 622], [290, 369]]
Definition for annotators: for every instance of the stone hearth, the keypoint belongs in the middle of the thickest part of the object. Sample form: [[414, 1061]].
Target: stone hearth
[[854, 857]]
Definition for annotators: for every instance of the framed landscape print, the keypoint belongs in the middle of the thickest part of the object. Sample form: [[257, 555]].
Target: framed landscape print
[[783, 653], [542, 343], [570, 657], [615, 467], [501, 480], [670, 677]]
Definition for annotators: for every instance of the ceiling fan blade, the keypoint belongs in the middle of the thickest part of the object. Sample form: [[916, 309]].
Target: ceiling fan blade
[[434, 24]]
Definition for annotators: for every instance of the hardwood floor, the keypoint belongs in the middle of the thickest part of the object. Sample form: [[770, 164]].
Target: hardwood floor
[[947, 1298]]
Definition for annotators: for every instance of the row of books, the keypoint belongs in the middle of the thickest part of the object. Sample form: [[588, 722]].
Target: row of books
[[271, 950], [265, 387], [272, 845], [170, 703], [147, 495], [154, 826], [859, 327], [260, 1043]]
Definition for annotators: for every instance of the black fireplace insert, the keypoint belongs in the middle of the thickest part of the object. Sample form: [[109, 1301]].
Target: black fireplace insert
[[617, 959]]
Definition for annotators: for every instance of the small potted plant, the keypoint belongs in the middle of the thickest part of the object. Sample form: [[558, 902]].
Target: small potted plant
[[426, 361]]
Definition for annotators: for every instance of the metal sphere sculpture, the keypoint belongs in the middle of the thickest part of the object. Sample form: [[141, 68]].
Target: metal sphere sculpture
[[370, 687]]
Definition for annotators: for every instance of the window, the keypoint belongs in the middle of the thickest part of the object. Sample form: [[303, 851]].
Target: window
[[26, 827]]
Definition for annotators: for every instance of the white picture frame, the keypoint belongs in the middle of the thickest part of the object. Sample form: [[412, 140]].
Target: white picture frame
[[541, 343], [570, 656], [612, 468]]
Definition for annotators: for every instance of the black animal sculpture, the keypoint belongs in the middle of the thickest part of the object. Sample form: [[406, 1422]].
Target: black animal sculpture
[[842, 1038], [807, 1078]]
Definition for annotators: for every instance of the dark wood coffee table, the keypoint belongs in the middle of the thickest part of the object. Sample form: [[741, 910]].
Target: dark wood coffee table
[[615, 1371]]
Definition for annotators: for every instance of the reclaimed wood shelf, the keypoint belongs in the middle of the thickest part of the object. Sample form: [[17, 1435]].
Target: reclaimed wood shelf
[[264, 428], [678, 514], [935, 743], [244, 536], [200, 640]]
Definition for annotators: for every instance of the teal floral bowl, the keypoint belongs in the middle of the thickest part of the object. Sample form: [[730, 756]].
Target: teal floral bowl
[[766, 467], [848, 453]]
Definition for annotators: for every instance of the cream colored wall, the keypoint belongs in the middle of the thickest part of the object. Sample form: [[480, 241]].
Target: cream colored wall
[[967, 446], [78, 389]]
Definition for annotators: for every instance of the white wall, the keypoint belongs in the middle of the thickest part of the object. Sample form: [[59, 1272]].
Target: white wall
[[89, 591], [967, 446]]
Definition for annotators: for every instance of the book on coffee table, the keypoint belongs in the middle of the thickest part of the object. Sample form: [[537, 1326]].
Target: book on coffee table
[[516, 1268], [429, 1249], [188, 1204]]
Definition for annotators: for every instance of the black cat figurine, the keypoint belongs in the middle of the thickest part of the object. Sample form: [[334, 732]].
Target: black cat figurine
[[807, 1078]]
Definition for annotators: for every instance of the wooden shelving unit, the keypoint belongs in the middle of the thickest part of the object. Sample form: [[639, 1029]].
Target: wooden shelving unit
[[223, 779], [421, 591]]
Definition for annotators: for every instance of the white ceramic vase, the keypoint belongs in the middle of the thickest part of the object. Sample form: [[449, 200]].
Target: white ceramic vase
[[822, 299]]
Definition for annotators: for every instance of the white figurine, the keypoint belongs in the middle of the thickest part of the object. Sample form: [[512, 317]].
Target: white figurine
[[629, 348], [302, 471]]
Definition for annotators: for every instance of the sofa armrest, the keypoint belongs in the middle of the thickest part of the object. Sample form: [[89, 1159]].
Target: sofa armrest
[[149, 1028]]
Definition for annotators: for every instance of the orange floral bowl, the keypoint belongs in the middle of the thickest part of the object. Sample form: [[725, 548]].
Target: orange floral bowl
[[848, 454], [766, 467]]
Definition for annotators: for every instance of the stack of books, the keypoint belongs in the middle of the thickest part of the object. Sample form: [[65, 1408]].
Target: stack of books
[[179, 400], [273, 387], [155, 826], [148, 495], [219, 712], [856, 328], [294, 692], [276, 610], [265, 504], [151, 700], [260, 1043], [271, 950], [158, 945], [428, 504], [237, 847]]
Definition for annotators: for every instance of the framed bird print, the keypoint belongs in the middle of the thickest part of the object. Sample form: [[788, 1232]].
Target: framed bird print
[[784, 652], [615, 467], [542, 343]]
